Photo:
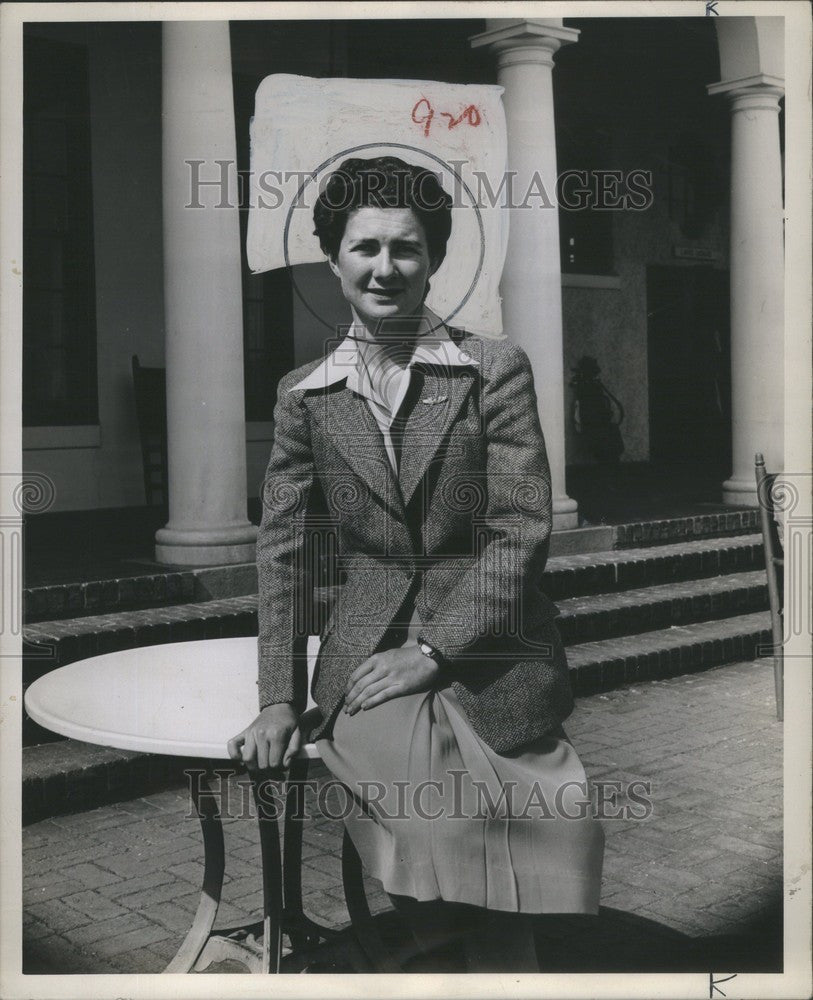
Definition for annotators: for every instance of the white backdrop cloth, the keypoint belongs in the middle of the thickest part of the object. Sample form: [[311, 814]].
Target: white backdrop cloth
[[303, 128]]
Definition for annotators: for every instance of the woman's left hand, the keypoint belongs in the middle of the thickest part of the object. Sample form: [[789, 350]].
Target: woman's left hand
[[389, 674]]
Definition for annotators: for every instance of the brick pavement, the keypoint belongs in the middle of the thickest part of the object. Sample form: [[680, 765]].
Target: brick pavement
[[696, 885]]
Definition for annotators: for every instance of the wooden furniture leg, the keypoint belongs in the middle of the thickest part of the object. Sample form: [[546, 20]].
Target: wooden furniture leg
[[272, 880], [364, 928], [303, 932]]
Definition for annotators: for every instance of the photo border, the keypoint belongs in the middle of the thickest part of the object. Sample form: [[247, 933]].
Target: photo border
[[796, 979]]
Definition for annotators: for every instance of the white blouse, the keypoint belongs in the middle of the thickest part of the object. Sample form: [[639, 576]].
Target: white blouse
[[383, 377]]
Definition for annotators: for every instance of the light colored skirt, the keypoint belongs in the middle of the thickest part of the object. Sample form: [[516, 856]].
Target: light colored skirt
[[438, 814]]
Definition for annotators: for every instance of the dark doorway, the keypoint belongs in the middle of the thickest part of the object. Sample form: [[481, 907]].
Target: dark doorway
[[689, 365]]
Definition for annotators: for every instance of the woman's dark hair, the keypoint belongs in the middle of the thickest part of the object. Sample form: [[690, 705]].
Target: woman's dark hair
[[382, 182]]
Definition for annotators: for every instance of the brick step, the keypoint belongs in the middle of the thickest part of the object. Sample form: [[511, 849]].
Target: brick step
[[48, 645], [623, 569], [70, 776], [610, 663], [565, 576], [718, 524], [69, 600], [638, 534], [52, 644], [645, 609], [63, 641], [155, 588]]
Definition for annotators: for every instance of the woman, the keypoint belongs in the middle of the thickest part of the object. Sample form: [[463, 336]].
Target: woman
[[441, 676]]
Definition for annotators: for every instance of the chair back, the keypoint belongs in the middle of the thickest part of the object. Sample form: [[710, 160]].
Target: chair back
[[774, 569], [772, 539]]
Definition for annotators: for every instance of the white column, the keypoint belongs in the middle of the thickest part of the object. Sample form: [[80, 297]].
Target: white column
[[202, 306], [757, 286], [531, 285]]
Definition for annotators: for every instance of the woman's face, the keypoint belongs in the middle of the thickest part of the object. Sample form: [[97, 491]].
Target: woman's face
[[383, 264]]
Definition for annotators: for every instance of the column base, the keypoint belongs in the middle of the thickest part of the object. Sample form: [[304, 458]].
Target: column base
[[206, 546], [740, 492], [565, 513]]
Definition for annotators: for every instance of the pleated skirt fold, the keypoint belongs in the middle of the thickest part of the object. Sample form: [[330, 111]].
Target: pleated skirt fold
[[435, 813]]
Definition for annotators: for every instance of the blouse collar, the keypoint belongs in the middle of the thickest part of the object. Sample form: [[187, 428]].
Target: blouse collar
[[433, 345]]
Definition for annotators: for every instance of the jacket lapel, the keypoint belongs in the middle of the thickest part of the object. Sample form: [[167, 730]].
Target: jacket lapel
[[351, 429], [428, 423]]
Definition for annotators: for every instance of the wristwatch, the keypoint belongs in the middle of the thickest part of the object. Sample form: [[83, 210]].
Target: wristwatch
[[430, 651]]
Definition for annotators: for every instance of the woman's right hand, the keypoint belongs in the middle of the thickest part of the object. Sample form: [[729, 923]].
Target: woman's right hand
[[271, 740]]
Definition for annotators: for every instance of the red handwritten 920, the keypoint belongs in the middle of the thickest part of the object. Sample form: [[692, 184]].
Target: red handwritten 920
[[423, 114]]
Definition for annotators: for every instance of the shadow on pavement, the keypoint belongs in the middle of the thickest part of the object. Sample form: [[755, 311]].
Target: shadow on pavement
[[616, 941], [613, 941]]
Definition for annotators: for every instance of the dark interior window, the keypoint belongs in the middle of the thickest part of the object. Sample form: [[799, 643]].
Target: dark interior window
[[585, 233], [59, 312]]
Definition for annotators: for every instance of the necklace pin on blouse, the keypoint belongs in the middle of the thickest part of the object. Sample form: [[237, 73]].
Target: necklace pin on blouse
[[430, 400]]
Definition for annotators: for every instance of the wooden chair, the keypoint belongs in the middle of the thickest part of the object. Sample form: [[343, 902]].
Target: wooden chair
[[150, 389], [774, 570]]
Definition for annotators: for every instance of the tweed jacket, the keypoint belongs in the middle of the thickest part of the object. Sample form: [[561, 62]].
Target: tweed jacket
[[460, 534]]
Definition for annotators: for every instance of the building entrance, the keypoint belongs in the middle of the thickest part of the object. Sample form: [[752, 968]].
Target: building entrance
[[689, 364]]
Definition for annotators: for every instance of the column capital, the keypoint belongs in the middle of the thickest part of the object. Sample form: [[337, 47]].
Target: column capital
[[758, 85], [526, 40]]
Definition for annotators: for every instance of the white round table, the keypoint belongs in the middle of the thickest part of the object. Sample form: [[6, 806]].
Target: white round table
[[184, 699], [188, 699]]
